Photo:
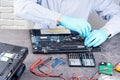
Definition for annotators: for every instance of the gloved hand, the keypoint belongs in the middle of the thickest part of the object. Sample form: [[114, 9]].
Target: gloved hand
[[76, 24], [96, 37]]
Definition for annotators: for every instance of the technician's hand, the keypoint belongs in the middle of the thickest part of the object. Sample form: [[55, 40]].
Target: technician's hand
[[96, 37], [76, 24]]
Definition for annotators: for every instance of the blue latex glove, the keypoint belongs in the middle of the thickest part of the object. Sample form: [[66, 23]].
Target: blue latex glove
[[76, 24], [96, 37]]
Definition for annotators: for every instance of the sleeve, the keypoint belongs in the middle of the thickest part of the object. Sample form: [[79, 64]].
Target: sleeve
[[108, 10], [32, 11]]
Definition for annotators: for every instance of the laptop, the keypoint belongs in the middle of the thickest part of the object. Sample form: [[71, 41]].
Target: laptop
[[58, 40], [11, 61], [61, 40]]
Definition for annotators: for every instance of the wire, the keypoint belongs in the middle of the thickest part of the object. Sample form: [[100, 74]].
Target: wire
[[84, 76], [48, 74], [95, 76], [38, 64], [97, 73], [45, 64], [74, 76]]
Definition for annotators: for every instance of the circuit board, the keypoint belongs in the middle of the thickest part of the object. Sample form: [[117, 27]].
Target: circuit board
[[58, 43]]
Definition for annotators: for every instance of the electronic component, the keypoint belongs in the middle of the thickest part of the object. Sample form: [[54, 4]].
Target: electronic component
[[106, 68], [81, 59], [58, 43], [58, 61]]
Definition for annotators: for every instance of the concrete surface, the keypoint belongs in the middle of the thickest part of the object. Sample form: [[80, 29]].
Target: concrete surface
[[110, 53]]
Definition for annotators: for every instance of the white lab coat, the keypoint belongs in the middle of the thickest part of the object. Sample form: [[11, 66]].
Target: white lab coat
[[44, 13]]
